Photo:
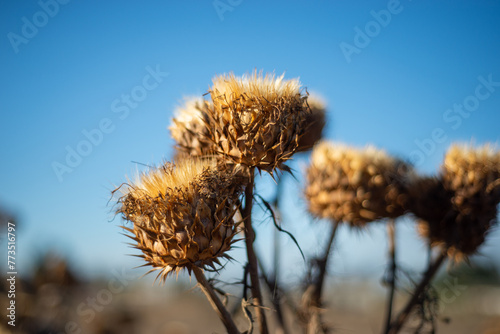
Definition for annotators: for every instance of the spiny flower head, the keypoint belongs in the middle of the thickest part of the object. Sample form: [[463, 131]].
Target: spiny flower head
[[182, 215], [255, 87], [257, 120], [189, 128], [474, 175], [356, 186], [457, 209]]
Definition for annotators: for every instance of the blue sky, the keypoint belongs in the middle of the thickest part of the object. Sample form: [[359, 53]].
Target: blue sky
[[69, 69]]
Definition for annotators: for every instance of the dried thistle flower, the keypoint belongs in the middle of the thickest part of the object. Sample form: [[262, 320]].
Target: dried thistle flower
[[189, 128], [458, 208], [257, 120], [182, 215], [474, 175], [315, 122], [356, 186]]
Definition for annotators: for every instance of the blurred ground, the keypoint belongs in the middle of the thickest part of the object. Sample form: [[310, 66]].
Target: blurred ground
[[54, 300]]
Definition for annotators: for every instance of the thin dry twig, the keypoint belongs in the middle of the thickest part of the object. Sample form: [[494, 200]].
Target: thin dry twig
[[311, 300], [391, 229], [429, 274], [322, 263]]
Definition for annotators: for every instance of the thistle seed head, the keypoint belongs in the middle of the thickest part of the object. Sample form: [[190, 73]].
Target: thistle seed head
[[474, 175], [189, 128], [457, 209], [356, 186], [182, 215], [257, 120]]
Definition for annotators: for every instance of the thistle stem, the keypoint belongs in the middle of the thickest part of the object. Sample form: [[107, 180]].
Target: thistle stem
[[217, 305], [312, 301], [318, 289], [403, 316], [391, 227], [252, 258]]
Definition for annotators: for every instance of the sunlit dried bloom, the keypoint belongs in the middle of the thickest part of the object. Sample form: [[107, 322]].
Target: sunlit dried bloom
[[182, 215], [356, 186], [257, 120], [474, 175], [189, 128], [458, 208], [315, 122]]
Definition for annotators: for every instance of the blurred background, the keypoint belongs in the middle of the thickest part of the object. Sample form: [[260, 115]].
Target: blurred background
[[89, 89]]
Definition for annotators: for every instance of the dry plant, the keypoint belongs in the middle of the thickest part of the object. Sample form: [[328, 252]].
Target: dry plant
[[183, 219], [252, 122], [315, 123], [187, 214], [455, 210], [354, 186]]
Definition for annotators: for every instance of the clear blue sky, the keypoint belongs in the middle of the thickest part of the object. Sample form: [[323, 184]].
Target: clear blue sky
[[68, 69]]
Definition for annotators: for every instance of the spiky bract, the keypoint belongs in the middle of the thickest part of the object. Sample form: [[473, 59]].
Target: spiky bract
[[356, 186], [182, 215], [257, 120]]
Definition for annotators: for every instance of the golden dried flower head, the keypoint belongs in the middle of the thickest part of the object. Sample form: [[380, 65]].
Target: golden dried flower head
[[315, 122], [189, 128], [257, 120], [356, 186], [474, 175], [182, 215], [458, 208]]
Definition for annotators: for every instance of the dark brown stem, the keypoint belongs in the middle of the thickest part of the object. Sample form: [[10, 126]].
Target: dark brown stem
[[312, 296], [403, 316], [322, 263], [391, 226], [217, 305], [252, 258]]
